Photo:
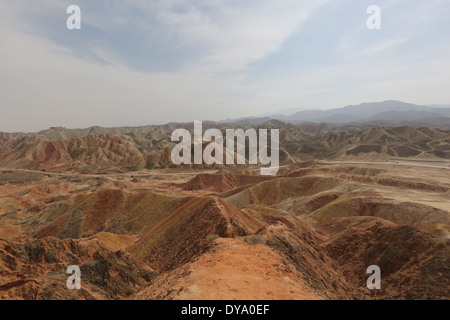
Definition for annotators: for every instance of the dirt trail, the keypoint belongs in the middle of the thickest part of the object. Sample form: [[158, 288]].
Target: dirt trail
[[97, 175], [233, 270], [426, 164]]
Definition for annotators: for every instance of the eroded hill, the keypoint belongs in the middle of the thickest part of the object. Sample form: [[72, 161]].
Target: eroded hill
[[310, 232], [111, 150]]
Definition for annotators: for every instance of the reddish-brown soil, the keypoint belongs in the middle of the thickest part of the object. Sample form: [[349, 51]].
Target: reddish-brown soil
[[309, 232]]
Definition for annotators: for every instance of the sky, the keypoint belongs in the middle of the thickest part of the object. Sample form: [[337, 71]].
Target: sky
[[139, 62]]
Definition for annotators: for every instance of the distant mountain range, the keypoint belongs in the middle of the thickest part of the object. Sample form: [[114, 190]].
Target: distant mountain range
[[389, 112], [112, 150], [386, 113]]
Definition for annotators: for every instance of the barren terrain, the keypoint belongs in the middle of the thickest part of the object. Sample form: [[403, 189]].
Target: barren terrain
[[308, 233], [160, 232]]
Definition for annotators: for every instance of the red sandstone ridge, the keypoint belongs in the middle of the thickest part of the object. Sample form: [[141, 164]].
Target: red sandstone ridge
[[232, 269], [310, 232], [414, 265], [187, 232], [91, 151], [223, 182], [133, 149], [36, 269]]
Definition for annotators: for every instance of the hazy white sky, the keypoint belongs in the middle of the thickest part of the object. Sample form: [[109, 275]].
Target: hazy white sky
[[137, 62]]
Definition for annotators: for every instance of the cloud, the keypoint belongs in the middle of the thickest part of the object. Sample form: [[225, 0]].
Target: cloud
[[237, 33], [138, 62], [380, 47], [49, 82], [205, 35]]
